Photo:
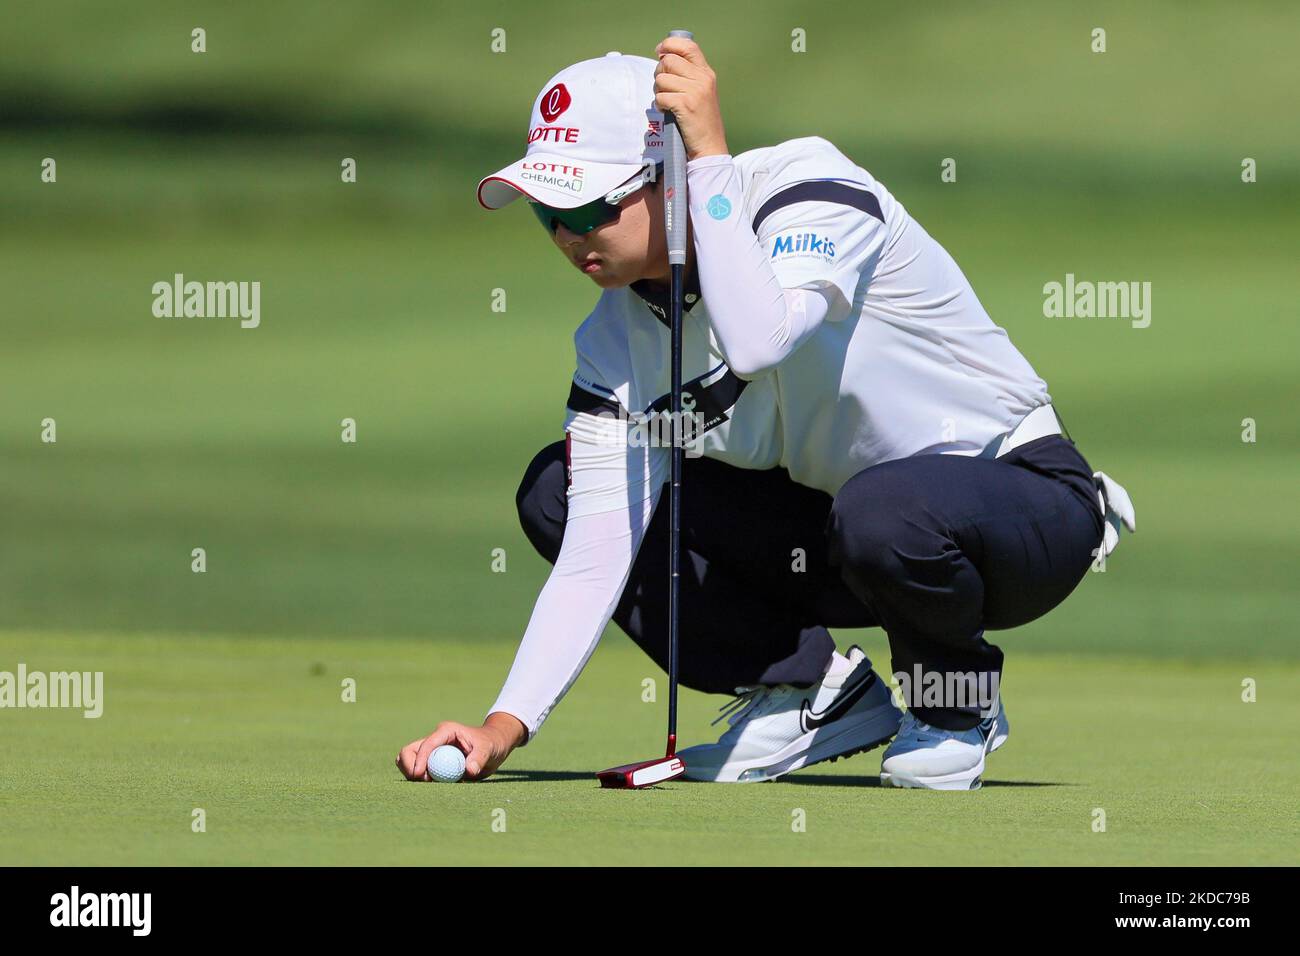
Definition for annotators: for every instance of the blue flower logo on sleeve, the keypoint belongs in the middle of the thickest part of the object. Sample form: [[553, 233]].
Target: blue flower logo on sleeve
[[719, 206]]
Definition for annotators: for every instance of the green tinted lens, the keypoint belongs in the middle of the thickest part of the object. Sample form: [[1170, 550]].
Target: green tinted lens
[[581, 220]]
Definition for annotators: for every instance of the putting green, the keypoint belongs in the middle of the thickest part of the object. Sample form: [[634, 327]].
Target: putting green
[[255, 733]]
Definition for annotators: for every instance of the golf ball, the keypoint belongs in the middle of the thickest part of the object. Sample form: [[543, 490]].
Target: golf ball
[[446, 764]]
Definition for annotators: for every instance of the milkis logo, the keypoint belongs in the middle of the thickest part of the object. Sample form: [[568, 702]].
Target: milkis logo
[[803, 244], [555, 101]]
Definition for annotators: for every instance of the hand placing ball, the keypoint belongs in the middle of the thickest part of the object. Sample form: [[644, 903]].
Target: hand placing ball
[[476, 751]]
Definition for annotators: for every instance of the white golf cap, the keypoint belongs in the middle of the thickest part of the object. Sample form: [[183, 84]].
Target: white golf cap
[[594, 126]]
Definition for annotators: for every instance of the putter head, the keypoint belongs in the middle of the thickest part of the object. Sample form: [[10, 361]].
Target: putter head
[[647, 773]]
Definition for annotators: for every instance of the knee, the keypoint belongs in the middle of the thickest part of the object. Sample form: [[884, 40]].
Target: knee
[[542, 502]]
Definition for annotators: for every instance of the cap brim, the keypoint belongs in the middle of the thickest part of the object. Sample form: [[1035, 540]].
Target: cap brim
[[524, 178]]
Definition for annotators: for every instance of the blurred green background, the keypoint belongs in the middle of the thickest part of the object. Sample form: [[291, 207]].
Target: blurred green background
[[376, 295], [376, 299]]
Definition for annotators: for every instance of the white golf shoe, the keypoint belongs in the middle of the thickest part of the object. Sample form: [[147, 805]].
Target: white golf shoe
[[774, 730], [931, 758]]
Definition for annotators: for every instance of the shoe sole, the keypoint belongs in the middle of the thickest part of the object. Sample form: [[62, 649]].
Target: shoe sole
[[964, 780], [863, 736]]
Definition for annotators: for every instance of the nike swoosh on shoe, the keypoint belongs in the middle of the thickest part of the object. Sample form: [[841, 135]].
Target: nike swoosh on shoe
[[809, 721]]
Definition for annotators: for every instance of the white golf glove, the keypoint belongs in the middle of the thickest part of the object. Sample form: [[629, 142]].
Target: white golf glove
[[1117, 507]]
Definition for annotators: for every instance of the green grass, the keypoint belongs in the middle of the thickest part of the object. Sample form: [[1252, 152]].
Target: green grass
[[255, 733]]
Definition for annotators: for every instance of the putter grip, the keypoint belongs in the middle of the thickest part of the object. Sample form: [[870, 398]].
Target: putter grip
[[675, 181]]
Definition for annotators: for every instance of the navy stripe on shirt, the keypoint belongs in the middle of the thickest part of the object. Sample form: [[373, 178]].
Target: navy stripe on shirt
[[821, 190], [581, 400]]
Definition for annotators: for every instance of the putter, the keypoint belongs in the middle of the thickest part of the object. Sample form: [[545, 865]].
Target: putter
[[634, 776]]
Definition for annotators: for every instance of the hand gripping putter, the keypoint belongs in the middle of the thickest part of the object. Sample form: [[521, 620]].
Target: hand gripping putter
[[649, 772]]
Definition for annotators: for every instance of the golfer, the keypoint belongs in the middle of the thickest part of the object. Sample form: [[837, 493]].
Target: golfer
[[868, 449]]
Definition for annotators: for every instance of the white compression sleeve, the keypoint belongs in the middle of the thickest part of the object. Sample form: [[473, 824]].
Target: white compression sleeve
[[571, 612], [757, 323], [596, 556]]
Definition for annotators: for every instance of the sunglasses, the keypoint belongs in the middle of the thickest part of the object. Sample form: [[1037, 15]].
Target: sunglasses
[[582, 219]]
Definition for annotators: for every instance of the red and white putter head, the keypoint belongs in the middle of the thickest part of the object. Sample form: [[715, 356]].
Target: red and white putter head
[[634, 776]]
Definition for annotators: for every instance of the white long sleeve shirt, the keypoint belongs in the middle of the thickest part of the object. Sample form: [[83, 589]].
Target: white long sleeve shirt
[[824, 332]]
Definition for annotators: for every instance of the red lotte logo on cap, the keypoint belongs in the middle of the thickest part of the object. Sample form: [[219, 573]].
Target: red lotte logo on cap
[[554, 102]]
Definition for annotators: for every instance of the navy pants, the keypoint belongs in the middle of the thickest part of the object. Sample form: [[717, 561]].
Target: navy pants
[[935, 549]]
